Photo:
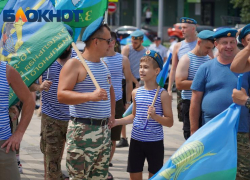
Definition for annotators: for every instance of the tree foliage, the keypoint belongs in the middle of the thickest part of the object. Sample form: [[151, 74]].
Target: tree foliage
[[244, 5]]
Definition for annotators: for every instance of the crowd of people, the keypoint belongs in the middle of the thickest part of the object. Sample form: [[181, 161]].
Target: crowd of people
[[88, 120]]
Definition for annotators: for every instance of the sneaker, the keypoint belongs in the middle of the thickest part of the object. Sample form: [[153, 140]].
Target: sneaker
[[20, 167], [122, 143]]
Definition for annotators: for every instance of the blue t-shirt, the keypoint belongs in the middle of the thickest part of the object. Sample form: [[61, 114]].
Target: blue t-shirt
[[217, 82]]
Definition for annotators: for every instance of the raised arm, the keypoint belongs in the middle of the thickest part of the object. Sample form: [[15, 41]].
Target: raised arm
[[241, 62], [173, 68]]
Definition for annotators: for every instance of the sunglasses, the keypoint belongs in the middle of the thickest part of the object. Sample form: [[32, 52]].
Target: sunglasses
[[107, 40]]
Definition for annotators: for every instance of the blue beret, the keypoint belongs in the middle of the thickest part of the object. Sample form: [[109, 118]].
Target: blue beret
[[245, 31], [91, 29], [188, 20], [225, 32], [69, 29], [156, 56], [138, 34], [206, 34]]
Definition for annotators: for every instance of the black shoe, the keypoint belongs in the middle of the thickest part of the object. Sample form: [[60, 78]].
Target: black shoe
[[110, 165], [122, 143], [110, 176]]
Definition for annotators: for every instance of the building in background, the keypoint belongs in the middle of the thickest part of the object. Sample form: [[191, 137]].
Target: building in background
[[207, 12]]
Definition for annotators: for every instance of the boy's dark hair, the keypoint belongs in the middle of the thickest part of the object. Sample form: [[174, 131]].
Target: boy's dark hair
[[97, 33], [150, 59]]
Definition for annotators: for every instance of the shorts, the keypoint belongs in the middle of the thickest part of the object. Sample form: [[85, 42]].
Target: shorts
[[243, 160], [8, 164], [139, 151], [53, 137], [88, 151], [116, 131]]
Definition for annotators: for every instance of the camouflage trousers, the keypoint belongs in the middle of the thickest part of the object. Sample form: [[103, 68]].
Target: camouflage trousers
[[88, 151], [53, 137], [243, 164], [179, 105]]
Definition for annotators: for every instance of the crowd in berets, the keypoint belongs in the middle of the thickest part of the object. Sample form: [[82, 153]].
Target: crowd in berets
[[84, 98]]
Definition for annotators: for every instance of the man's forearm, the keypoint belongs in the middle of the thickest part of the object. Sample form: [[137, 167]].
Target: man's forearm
[[34, 87], [129, 88], [112, 101], [171, 79], [194, 116], [27, 112], [184, 85]]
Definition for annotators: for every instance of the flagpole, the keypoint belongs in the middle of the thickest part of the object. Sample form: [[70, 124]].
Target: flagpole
[[153, 103], [85, 66]]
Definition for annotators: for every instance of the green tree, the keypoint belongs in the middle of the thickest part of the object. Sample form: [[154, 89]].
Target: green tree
[[244, 5]]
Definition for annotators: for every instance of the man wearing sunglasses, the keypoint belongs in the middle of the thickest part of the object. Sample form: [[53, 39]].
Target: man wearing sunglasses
[[91, 109]]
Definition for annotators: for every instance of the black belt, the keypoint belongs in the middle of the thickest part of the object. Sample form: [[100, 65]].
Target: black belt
[[91, 121]]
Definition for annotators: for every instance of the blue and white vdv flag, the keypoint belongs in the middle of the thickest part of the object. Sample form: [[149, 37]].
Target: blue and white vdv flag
[[210, 153]]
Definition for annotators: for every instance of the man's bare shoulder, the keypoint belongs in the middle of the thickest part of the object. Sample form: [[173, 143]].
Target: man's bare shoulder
[[185, 58], [177, 46], [125, 50], [73, 62]]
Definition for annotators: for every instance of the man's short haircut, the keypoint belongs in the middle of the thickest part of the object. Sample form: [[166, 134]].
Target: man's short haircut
[[207, 40], [150, 59], [97, 33]]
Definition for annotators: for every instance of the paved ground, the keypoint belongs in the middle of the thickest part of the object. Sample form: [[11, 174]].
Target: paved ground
[[32, 158]]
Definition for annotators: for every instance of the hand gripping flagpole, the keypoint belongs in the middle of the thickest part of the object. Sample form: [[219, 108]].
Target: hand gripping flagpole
[[239, 83], [85, 66], [161, 78]]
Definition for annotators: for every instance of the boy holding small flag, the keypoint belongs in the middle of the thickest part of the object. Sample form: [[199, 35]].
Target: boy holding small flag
[[148, 142]]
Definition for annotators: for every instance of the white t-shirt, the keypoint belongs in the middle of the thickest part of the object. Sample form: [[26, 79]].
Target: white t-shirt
[[148, 14]]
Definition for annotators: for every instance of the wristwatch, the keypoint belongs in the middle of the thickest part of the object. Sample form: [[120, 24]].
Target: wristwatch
[[248, 103], [128, 102]]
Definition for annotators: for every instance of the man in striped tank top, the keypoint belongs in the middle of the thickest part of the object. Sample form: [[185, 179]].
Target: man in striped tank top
[[134, 53], [186, 70], [118, 65], [10, 142], [188, 28], [55, 118], [91, 109], [147, 143]]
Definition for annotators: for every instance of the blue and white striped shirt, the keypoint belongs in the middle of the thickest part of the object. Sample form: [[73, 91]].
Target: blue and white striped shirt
[[5, 131], [134, 58], [93, 109], [185, 48], [153, 131], [50, 104], [195, 62], [73, 53], [115, 67]]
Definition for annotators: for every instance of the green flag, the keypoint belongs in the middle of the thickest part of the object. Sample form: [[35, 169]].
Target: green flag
[[31, 47]]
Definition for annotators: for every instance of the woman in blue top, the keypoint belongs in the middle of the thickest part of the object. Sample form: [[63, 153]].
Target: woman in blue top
[[148, 143]]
